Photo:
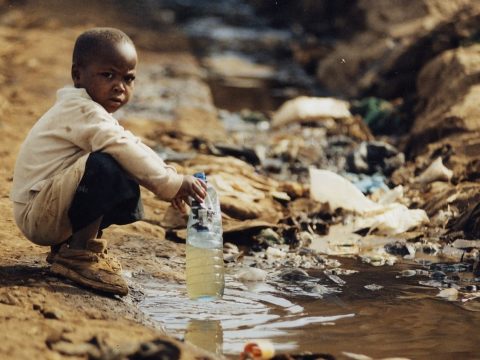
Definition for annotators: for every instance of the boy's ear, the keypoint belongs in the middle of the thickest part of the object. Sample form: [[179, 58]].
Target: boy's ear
[[75, 74]]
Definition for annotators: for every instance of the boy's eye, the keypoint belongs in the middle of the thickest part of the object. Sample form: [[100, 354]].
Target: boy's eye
[[129, 79], [107, 75]]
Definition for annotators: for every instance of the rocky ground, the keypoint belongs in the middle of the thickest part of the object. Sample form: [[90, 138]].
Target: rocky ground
[[44, 317], [423, 62]]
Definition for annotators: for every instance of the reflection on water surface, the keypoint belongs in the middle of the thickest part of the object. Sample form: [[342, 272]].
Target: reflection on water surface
[[403, 319]]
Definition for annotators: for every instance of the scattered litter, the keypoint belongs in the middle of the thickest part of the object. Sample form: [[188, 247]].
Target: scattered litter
[[379, 257], [391, 219], [275, 253], [308, 109], [408, 273], [463, 244], [251, 274], [345, 196], [452, 253], [450, 294], [435, 172], [258, 350], [336, 279], [375, 157], [356, 356], [373, 287]]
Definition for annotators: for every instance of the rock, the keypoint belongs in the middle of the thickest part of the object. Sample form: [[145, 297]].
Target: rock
[[8, 299], [448, 94], [251, 274], [293, 275], [398, 39]]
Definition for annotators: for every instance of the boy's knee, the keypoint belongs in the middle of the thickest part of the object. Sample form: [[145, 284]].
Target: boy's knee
[[104, 163]]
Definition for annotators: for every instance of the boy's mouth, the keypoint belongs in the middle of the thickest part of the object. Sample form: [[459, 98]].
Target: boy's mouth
[[116, 101]]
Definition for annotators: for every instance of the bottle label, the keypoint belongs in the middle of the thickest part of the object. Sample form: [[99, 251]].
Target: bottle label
[[203, 218]]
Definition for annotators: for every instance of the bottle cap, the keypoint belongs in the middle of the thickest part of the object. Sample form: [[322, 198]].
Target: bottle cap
[[200, 175], [258, 350]]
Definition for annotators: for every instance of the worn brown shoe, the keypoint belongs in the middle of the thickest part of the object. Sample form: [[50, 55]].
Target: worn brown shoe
[[91, 269], [53, 252], [99, 246]]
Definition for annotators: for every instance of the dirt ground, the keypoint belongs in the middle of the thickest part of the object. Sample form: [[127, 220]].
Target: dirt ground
[[43, 317]]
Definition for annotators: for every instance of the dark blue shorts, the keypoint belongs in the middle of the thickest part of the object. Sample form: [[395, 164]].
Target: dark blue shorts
[[105, 190]]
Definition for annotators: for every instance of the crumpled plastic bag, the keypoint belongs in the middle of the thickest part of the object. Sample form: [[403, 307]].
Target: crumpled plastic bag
[[387, 218], [306, 109]]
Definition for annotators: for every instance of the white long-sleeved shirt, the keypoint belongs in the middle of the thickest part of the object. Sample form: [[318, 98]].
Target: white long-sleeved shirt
[[77, 125]]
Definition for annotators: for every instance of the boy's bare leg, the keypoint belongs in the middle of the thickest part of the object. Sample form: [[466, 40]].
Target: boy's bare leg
[[79, 239]]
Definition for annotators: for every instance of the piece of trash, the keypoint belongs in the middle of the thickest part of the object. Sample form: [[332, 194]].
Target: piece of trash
[[373, 287], [408, 273], [450, 294], [355, 356], [435, 172], [453, 253], [273, 252], [251, 274], [463, 244], [375, 157], [378, 257], [336, 279], [258, 350], [308, 109], [346, 195], [391, 219]]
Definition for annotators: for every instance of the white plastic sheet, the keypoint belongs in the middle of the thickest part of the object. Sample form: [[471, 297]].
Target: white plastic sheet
[[389, 218]]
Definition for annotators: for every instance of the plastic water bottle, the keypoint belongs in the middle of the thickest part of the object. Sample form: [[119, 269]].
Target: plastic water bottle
[[204, 252]]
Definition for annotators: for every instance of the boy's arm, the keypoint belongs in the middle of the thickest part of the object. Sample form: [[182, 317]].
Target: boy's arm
[[103, 133]]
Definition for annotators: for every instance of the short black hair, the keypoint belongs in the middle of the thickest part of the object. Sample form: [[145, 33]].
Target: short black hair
[[95, 40]]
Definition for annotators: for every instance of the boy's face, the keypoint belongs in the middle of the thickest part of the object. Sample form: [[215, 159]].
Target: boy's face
[[109, 76]]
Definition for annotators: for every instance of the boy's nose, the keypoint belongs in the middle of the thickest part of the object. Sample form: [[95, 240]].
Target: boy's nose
[[119, 87]]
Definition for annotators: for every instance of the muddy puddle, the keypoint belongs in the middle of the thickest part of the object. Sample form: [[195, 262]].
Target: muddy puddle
[[376, 312]]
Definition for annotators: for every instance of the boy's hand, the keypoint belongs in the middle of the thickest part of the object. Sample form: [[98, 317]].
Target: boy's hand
[[191, 186], [179, 204]]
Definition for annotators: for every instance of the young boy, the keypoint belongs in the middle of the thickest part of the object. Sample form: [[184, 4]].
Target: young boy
[[78, 171]]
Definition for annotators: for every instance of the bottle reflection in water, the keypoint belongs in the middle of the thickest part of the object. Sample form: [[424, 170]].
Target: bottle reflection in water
[[206, 334]]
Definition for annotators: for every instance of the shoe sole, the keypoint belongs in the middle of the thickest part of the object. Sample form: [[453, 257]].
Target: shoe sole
[[59, 269]]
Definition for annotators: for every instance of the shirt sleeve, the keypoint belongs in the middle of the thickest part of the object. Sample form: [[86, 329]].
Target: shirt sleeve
[[101, 132]]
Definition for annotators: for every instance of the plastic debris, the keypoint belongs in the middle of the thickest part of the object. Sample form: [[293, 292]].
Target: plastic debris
[[408, 273], [391, 219], [453, 253], [367, 184], [381, 116], [435, 172], [275, 253], [463, 244], [375, 157], [450, 294], [251, 274], [258, 350], [355, 356], [345, 196], [307, 109], [373, 287], [379, 258]]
